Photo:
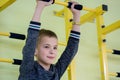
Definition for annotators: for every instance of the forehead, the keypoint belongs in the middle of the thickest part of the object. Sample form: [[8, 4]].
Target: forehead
[[48, 40]]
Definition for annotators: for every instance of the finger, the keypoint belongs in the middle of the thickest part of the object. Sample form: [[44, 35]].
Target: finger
[[51, 1], [73, 4]]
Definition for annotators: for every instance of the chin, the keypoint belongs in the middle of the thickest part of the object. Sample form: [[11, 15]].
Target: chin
[[50, 63]]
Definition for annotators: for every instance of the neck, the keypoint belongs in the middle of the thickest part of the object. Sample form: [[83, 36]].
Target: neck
[[45, 66]]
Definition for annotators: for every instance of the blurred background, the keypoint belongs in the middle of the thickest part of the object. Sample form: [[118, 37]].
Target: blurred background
[[17, 16]]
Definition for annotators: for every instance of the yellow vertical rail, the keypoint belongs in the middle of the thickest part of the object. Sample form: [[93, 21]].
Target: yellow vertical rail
[[102, 48], [5, 3]]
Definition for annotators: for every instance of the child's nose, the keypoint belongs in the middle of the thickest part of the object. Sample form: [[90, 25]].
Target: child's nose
[[52, 51]]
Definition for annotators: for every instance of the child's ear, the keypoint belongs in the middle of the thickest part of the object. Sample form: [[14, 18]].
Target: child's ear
[[36, 51]]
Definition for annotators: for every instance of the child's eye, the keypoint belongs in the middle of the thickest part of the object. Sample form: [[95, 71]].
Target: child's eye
[[55, 48], [46, 46]]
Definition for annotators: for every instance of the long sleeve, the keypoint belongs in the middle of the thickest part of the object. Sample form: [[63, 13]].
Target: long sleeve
[[29, 48], [69, 53]]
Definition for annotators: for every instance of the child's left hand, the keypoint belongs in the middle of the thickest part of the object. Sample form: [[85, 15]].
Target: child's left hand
[[73, 10]]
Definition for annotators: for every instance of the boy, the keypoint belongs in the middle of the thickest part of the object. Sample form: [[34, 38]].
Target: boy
[[44, 44]]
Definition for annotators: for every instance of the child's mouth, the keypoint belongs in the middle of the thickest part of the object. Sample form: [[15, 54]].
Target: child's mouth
[[50, 57]]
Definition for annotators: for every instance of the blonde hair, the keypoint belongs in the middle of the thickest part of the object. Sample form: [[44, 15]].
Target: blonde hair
[[45, 32]]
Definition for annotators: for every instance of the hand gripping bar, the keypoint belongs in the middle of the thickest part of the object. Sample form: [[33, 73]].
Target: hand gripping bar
[[78, 6]]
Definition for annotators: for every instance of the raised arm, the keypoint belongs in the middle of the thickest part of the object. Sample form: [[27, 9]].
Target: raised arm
[[39, 8], [33, 32], [72, 45]]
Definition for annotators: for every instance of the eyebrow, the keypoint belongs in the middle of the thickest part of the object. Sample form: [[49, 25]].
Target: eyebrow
[[49, 44]]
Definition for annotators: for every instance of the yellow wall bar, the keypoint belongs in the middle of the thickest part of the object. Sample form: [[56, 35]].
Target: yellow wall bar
[[88, 9], [102, 49], [109, 51], [90, 16], [85, 18], [71, 71], [66, 4], [113, 74], [5, 3], [61, 3], [62, 43], [6, 60], [111, 27], [4, 34]]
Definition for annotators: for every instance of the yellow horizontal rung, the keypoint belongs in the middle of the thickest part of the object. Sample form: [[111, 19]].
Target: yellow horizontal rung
[[66, 4], [113, 74], [4, 34], [89, 9], [6, 60], [62, 43], [112, 27], [61, 3], [5, 3], [109, 51]]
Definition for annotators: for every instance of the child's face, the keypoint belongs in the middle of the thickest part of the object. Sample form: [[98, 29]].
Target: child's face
[[46, 51]]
